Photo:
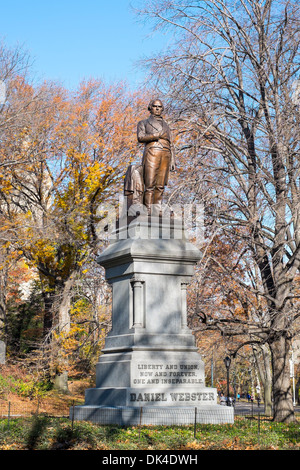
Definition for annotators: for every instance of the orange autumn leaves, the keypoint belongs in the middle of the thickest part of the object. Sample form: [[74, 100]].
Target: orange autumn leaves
[[61, 155], [74, 149]]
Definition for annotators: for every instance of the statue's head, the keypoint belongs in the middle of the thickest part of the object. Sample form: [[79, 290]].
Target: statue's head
[[156, 107]]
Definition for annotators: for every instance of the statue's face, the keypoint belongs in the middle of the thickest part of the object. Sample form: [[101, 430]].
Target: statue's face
[[156, 108]]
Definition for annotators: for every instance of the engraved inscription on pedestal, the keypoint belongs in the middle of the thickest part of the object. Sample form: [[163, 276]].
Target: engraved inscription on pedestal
[[168, 379], [161, 374], [178, 397]]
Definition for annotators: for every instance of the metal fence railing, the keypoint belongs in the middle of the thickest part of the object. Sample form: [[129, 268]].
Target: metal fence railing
[[12, 409], [257, 421], [42, 406]]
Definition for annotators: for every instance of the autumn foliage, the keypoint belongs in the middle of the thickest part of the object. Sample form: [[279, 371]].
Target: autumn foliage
[[62, 154]]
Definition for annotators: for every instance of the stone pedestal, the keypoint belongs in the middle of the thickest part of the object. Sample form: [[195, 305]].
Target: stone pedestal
[[149, 370]]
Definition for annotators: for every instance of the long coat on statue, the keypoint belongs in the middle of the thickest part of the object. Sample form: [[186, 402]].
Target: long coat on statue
[[134, 185], [145, 134]]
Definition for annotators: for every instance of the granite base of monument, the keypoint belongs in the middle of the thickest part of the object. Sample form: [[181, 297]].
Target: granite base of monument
[[149, 371], [165, 416]]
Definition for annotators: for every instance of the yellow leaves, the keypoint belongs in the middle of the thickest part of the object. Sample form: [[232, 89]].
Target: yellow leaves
[[62, 203], [80, 308], [11, 257], [67, 340], [84, 178], [93, 176], [195, 445], [44, 249], [77, 339], [5, 184], [55, 257]]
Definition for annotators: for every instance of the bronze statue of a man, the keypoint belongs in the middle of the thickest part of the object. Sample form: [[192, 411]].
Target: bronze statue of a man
[[159, 155]]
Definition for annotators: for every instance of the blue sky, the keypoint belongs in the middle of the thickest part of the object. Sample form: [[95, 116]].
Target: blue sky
[[71, 40]]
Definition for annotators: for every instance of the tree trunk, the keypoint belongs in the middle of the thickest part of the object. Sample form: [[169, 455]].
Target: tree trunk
[[61, 375], [3, 306], [282, 393], [3, 322], [48, 299], [265, 376], [297, 388], [267, 382]]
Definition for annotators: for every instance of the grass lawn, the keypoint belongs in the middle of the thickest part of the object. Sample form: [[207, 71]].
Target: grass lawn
[[48, 433]]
